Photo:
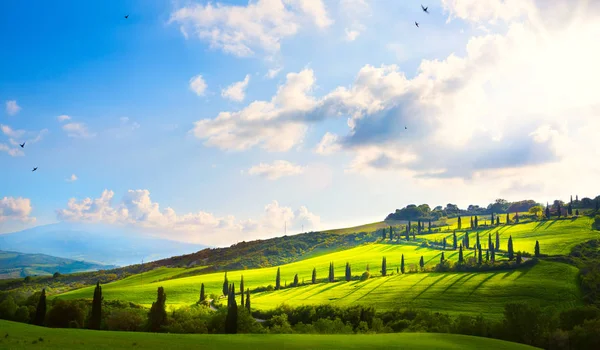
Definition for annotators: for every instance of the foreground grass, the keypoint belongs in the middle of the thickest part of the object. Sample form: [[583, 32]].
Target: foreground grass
[[23, 336]]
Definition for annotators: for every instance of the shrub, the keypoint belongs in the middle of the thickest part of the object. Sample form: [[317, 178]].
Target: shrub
[[65, 314], [8, 308], [130, 320], [22, 314], [280, 324], [188, 320], [365, 276]]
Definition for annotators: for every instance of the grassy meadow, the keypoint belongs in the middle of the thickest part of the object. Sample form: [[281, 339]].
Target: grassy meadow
[[23, 336]]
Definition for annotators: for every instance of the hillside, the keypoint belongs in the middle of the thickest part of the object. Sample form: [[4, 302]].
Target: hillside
[[23, 336], [18, 265]]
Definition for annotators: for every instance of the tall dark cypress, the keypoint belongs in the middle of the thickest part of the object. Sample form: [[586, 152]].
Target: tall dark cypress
[[472, 223], [511, 253], [391, 233], [492, 218], [493, 254], [225, 285], [402, 264], [419, 226], [314, 275], [296, 282], [479, 256], [516, 218], [442, 258], [548, 211], [278, 279], [570, 209], [157, 316], [459, 223], [383, 267], [537, 248], [421, 263], [444, 243], [242, 291], [497, 241], [96, 316], [489, 240], [558, 210], [429, 225], [460, 255], [454, 241], [467, 240], [497, 220], [476, 222], [248, 300], [477, 243], [487, 255], [383, 234], [232, 313], [348, 272], [202, 295], [519, 258], [331, 272], [407, 232], [40, 312], [507, 219]]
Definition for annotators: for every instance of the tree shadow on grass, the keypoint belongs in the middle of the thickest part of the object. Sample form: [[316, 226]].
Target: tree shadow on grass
[[523, 272], [508, 274], [468, 276], [482, 282], [443, 276]]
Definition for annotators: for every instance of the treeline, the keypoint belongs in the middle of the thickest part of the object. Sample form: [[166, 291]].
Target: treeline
[[499, 206]]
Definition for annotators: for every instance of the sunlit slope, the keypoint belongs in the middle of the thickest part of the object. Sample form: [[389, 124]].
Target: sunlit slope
[[547, 283], [24, 336], [556, 237]]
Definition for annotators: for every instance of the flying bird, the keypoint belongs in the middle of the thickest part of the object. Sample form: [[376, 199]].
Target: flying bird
[[126, 16], [405, 128], [417, 24], [22, 144], [424, 9], [34, 169]]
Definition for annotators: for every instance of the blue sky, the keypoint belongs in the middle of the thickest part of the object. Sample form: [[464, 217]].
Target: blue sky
[[125, 86]]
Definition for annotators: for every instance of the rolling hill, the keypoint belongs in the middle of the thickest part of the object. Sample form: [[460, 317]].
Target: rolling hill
[[18, 265], [24, 336]]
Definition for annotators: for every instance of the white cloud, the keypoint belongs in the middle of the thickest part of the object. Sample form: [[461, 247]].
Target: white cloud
[[351, 35], [237, 90], [137, 209], [8, 131], [16, 137], [73, 178], [329, 144], [354, 11], [261, 25], [276, 170], [198, 85], [259, 123], [15, 209], [12, 151], [62, 118], [272, 73], [77, 130], [12, 107]]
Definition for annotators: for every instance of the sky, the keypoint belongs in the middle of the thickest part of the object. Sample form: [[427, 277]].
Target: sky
[[218, 122]]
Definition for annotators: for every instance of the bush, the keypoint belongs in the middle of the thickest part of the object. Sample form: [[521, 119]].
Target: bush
[[22, 314], [280, 325], [8, 308], [365, 276], [65, 314], [188, 320], [129, 320]]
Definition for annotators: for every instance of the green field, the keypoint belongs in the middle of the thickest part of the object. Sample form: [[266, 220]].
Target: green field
[[23, 336], [556, 237]]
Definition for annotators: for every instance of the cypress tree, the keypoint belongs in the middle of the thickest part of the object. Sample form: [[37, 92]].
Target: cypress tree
[[570, 209], [459, 224], [511, 253], [402, 264], [225, 285], [96, 316], [492, 218], [331, 273], [454, 241], [40, 312], [442, 258], [577, 212], [516, 217], [419, 226], [242, 291], [429, 225], [479, 256], [460, 255], [314, 275], [507, 219], [391, 233], [497, 241], [493, 254], [202, 296], [477, 243], [229, 296], [409, 226], [278, 279], [383, 234], [397, 270], [296, 280], [472, 223], [476, 221], [368, 267], [348, 275], [414, 237], [519, 258], [558, 211], [537, 248], [421, 263], [466, 238], [157, 316], [444, 243], [232, 313], [497, 220], [248, 299], [383, 267], [489, 240], [547, 211], [487, 255], [407, 232]]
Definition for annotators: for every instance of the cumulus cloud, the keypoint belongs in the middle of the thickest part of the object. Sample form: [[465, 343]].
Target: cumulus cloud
[[328, 145], [136, 209], [15, 209], [73, 178], [16, 137], [198, 85], [512, 101], [276, 170], [272, 73], [236, 91], [77, 130], [8, 131], [259, 123], [354, 12], [12, 107], [62, 118], [242, 30]]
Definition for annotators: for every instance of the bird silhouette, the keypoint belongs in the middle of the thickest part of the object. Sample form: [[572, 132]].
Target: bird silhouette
[[425, 9], [34, 169], [127, 16], [417, 24], [405, 128], [22, 144]]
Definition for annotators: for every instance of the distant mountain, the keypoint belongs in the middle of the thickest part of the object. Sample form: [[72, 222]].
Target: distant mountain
[[17, 265], [94, 243]]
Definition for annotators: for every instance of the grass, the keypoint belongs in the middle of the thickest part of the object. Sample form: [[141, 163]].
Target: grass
[[556, 237], [546, 283], [23, 336]]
